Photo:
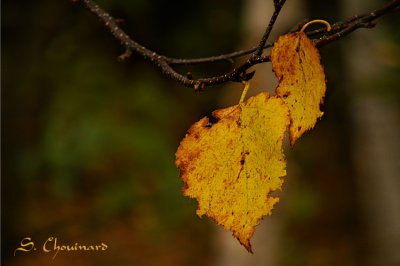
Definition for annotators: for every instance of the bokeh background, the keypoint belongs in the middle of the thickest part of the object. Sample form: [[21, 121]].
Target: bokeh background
[[88, 142]]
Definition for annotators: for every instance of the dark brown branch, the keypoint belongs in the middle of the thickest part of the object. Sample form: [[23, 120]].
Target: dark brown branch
[[356, 22], [129, 44], [211, 59], [339, 30], [278, 4]]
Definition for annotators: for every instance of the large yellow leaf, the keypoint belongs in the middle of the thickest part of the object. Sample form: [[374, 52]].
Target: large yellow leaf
[[231, 167], [296, 63]]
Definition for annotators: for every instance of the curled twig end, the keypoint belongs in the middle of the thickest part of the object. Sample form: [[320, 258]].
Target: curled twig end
[[326, 23]]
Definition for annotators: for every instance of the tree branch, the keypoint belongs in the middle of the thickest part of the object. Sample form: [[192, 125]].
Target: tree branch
[[339, 30], [278, 4], [224, 57]]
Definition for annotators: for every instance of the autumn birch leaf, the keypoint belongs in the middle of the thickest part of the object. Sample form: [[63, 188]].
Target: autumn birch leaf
[[231, 167], [296, 63]]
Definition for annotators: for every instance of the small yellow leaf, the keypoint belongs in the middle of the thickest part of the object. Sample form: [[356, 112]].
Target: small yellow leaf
[[231, 167], [296, 63]]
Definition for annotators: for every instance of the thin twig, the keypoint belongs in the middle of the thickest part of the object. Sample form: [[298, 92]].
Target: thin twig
[[278, 6], [224, 57], [361, 21], [339, 30]]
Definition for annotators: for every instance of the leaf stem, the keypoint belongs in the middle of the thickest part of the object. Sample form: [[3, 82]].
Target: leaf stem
[[245, 90]]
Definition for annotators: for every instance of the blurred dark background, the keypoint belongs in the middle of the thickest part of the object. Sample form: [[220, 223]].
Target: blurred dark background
[[88, 142]]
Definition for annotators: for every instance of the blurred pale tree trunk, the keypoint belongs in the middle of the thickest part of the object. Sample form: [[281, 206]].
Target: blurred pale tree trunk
[[265, 242], [376, 139]]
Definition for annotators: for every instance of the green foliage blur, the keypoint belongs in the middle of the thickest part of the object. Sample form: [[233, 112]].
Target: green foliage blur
[[89, 142]]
